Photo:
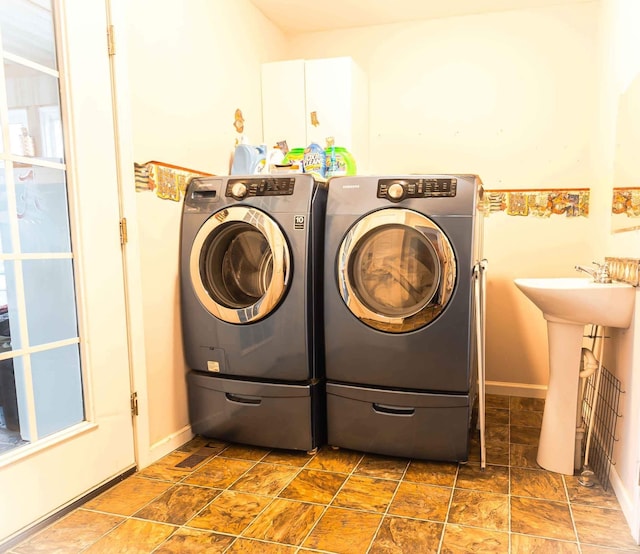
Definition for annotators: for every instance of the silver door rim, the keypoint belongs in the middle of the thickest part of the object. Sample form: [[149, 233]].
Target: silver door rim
[[281, 264], [445, 258]]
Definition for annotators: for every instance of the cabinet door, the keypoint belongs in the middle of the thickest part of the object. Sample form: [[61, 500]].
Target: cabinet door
[[283, 103], [329, 88], [335, 88]]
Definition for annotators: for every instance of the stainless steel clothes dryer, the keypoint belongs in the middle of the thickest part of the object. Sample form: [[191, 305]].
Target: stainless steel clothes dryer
[[251, 253], [399, 318]]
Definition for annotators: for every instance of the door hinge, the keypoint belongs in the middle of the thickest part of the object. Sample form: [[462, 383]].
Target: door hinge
[[134, 404], [111, 40], [124, 238]]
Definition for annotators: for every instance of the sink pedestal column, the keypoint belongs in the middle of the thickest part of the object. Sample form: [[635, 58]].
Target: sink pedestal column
[[558, 434]]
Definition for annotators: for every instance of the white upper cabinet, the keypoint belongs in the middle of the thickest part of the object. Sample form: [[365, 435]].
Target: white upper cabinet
[[283, 103], [335, 89]]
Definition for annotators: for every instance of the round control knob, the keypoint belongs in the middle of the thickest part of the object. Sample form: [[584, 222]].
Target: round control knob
[[239, 190], [395, 191]]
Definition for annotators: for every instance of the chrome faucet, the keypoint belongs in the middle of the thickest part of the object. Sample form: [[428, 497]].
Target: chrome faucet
[[600, 273]]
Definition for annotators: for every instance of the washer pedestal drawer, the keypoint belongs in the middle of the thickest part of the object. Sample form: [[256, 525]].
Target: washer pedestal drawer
[[271, 415], [398, 423]]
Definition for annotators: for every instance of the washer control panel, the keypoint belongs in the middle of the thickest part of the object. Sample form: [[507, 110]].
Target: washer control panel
[[265, 186], [399, 189]]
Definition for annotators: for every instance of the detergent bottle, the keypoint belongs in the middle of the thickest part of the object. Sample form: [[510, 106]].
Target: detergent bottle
[[315, 161], [248, 159]]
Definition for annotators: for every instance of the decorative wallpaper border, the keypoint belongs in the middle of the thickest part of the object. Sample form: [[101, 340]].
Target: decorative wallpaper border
[[625, 269], [539, 203], [168, 181], [626, 200]]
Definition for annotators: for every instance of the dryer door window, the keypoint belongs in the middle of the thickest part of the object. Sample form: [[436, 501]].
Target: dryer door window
[[240, 265], [396, 270]]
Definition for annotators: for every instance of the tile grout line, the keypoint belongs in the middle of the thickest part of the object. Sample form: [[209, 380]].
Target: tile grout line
[[181, 482], [129, 516], [509, 530], [566, 498], [453, 488], [170, 484], [256, 462], [195, 469], [386, 511], [573, 521], [273, 498], [120, 524], [331, 501], [446, 517]]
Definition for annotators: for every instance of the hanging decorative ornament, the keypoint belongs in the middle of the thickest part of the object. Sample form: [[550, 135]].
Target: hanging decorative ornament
[[238, 122]]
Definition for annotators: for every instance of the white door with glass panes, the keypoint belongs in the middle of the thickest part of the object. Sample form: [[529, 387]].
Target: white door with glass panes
[[65, 417]]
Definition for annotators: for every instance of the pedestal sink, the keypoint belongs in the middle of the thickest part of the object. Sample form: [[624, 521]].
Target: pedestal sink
[[568, 304]]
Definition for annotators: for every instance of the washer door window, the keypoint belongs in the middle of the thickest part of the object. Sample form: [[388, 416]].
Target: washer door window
[[240, 265], [396, 270]]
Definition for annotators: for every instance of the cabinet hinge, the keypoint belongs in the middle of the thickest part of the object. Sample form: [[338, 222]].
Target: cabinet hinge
[[123, 231], [134, 404], [111, 40]]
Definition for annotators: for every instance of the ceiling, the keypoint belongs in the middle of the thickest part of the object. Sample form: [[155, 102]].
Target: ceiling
[[294, 16]]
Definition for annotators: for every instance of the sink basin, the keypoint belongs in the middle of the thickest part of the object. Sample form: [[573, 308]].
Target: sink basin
[[580, 300], [568, 304]]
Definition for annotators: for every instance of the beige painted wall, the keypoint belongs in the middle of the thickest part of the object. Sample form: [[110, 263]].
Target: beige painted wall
[[191, 65], [512, 97], [526, 99]]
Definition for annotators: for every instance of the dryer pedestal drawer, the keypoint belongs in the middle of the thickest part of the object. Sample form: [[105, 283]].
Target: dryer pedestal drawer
[[261, 414], [397, 423]]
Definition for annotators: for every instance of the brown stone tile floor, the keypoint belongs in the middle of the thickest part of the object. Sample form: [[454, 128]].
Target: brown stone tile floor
[[210, 496]]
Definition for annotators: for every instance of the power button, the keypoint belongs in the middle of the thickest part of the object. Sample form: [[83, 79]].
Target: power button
[[395, 191]]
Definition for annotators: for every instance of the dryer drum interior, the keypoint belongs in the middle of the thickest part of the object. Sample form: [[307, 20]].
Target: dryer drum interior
[[396, 270], [237, 265], [240, 265]]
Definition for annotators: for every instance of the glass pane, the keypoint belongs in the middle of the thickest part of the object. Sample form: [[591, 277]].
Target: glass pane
[[6, 246], [35, 121], [395, 271], [57, 389], [27, 30], [51, 309], [34, 223], [41, 205], [8, 400], [10, 413], [41, 210], [10, 338]]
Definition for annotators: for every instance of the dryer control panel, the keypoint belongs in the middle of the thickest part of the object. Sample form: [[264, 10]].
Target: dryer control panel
[[400, 189], [265, 186]]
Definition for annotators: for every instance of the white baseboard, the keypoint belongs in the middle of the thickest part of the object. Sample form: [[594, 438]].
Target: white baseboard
[[504, 388], [169, 444], [626, 504]]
